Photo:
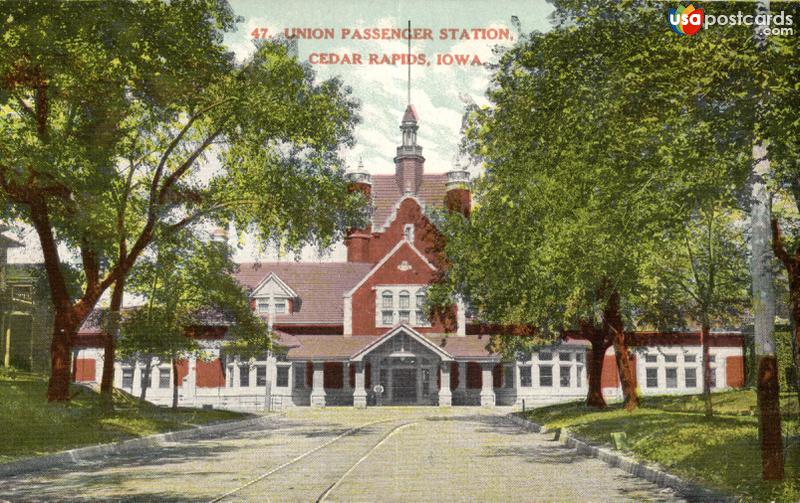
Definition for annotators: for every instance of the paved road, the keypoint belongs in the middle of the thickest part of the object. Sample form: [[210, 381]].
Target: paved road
[[341, 454]]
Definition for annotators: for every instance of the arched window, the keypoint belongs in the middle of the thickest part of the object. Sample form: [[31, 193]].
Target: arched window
[[388, 299], [405, 300]]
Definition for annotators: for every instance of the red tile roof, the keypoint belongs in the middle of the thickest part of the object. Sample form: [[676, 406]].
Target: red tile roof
[[320, 286], [337, 347], [386, 193], [334, 347]]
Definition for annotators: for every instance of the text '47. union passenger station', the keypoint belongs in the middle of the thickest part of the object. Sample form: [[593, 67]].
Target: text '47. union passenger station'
[[355, 333]]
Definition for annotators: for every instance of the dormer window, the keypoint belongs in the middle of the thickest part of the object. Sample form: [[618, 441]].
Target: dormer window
[[408, 233], [262, 305], [280, 307]]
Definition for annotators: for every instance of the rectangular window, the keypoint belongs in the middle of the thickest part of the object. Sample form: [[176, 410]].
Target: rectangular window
[[261, 375], [164, 378], [713, 378], [405, 316], [545, 356], [712, 358], [563, 377], [299, 379], [386, 317], [545, 375], [282, 376], [579, 376], [280, 307], [672, 378], [508, 376], [525, 379], [652, 377], [564, 357], [244, 376], [262, 306], [388, 300], [422, 319], [690, 358], [579, 357], [650, 358], [127, 378], [670, 358], [691, 378]]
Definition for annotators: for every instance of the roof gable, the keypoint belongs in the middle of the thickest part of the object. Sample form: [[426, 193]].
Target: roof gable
[[385, 259], [273, 286], [402, 329]]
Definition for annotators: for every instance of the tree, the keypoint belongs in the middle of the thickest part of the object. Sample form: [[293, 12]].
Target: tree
[[700, 275], [590, 158], [187, 284], [85, 85]]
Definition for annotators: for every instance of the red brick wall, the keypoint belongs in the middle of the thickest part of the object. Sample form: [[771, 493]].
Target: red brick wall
[[425, 234], [333, 375], [210, 374], [183, 370], [734, 369], [497, 376], [458, 200], [610, 377], [389, 274], [473, 375], [84, 369]]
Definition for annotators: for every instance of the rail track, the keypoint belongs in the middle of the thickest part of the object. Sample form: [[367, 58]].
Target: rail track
[[259, 487]]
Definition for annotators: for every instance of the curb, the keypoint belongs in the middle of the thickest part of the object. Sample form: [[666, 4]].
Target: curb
[[93, 452], [661, 478]]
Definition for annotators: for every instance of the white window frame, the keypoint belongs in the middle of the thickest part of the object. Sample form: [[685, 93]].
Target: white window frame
[[416, 315]]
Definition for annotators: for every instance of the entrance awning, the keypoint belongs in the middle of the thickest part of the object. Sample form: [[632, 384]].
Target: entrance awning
[[413, 334]]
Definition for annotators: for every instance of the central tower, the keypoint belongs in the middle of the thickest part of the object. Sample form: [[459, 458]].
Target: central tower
[[408, 162]]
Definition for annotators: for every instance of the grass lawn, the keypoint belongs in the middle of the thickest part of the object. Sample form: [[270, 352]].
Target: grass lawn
[[721, 452], [29, 425]]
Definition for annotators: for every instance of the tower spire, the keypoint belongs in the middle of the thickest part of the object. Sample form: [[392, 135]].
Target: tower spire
[[409, 62]]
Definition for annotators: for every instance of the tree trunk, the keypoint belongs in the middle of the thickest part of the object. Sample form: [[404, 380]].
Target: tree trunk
[[769, 419], [64, 331], [175, 383], [110, 346], [594, 365], [613, 318], [704, 336], [145, 381]]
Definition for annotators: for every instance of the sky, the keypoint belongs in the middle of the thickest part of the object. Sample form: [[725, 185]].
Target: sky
[[438, 92]]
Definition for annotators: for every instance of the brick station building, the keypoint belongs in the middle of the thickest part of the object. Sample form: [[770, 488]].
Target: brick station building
[[356, 333]]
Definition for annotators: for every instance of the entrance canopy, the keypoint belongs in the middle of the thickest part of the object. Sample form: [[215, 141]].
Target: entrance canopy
[[401, 340]]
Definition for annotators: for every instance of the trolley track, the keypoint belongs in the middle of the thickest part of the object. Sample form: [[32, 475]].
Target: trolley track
[[314, 476]]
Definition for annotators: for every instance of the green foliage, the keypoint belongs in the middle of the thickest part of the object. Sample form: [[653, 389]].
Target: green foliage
[[37, 427], [721, 452], [595, 156], [785, 354], [700, 274], [185, 283]]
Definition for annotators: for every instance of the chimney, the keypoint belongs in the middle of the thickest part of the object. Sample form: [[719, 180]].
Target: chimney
[[357, 240], [458, 197], [409, 161]]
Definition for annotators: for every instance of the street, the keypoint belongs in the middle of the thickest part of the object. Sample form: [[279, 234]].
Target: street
[[342, 454]]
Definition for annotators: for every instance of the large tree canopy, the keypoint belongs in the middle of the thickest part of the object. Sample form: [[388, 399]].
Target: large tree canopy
[[112, 116]]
